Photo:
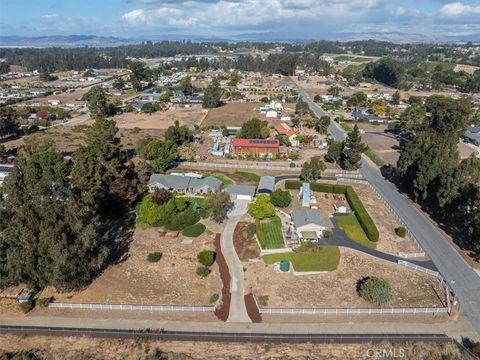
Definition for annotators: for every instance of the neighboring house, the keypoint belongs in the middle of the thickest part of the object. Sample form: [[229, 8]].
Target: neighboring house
[[255, 147], [285, 130], [308, 224], [271, 114], [472, 135], [366, 114], [184, 184], [54, 102], [266, 185], [241, 192], [5, 170]]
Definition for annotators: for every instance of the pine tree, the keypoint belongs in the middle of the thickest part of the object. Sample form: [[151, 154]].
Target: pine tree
[[352, 150]]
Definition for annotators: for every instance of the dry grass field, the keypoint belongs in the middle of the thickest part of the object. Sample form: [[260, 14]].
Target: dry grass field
[[80, 348], [339, 288], [171, 281], [232, 114], [161, 120]]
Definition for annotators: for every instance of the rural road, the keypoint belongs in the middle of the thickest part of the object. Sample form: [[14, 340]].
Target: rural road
[[460, 276], [238, 311]]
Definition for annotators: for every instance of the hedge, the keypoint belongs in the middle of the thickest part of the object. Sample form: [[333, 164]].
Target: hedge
[[353, 200]]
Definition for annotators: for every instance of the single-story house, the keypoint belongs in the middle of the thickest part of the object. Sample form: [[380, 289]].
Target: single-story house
[[285, 130], [241, 192], [308, 224], [366, 114], [266, 185], [271, 114], [472, 135], [5, 170], [255, 146], [184, 184]]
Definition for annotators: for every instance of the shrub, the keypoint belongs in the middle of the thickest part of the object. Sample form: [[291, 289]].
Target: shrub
[[203, 271], [214, 298], [327, 233], [281, 198], [43, 302], [206, 257], [401, 231], [263, 300], [376, 290], [194, 230], [26, 306], [182, 220], [153, 214], [154, 257]]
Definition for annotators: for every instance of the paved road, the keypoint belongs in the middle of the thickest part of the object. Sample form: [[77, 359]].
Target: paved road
[[238, 311], [461, 277]]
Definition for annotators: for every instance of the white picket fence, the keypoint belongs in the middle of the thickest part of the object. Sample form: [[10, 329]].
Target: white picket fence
[[411, 255], [348, 311], [132, 307]]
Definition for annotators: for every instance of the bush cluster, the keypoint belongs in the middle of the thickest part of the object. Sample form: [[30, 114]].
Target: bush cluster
[[354, 201], [281, 198], [376, 290], [206, 257], [181, 220], [203, 271]]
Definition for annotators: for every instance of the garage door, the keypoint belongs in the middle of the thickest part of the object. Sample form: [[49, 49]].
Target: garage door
[[244, 197]]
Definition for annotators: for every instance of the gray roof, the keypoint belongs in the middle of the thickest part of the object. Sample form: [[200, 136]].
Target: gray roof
[[183, 183], [241, 190], [266, 184], [473, 132], [303, 217]]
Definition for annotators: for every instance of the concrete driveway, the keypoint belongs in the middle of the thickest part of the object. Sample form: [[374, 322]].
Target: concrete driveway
[[238, 311]]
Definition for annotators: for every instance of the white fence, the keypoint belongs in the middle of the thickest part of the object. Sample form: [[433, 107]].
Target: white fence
[[348, 311], [355, 181], [238, 166], [132, 307], [418, 268], [411, 255], [275, 251]]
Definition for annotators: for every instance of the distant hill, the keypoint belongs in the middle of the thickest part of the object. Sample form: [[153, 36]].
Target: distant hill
[[104, 41], [63, 41]]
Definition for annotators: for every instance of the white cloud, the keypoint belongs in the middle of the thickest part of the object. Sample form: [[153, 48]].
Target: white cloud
[[49, 17], [135, 17], [458, 9]]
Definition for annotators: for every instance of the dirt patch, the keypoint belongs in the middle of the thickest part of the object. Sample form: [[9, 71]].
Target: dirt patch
[[252, 309], [339, 288], [73, 348], [136, 281], [232, 114], [223, 310], [386, 223], [245, 246]]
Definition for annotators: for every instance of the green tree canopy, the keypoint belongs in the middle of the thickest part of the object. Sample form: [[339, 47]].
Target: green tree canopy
[[313, 169], [254, 129], [97, 101], [212, 96], [261, 208], [352, 150]]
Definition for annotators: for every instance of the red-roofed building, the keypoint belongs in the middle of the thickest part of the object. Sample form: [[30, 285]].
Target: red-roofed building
[[285, 130], [255, 146]]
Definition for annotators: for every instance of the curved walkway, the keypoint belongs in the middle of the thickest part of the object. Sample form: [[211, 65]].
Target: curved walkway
[[238, 311]]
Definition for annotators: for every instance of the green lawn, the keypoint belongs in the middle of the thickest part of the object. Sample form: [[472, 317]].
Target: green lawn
[[325, 259], [346, 127], [270, 233], [354, 231], [248, 176]]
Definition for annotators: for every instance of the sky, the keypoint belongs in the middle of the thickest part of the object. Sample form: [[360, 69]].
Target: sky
[[222, 18]]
